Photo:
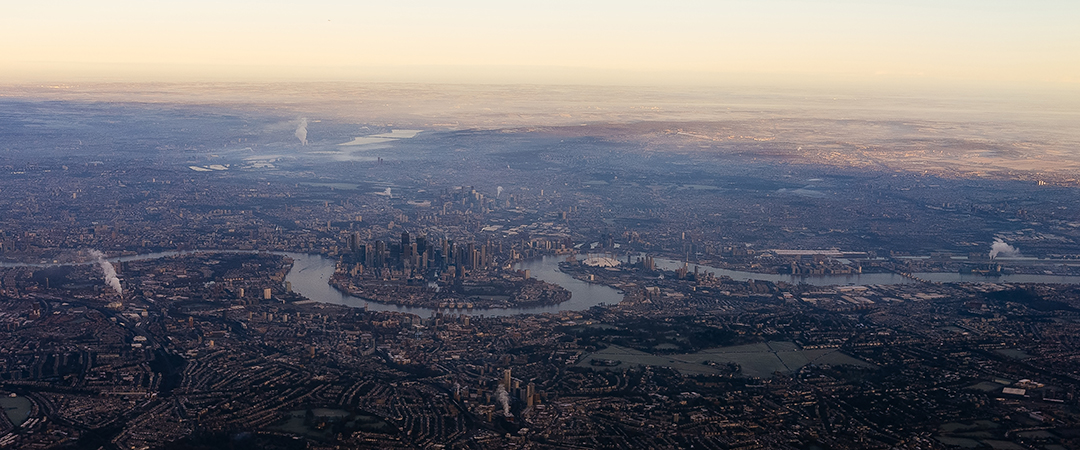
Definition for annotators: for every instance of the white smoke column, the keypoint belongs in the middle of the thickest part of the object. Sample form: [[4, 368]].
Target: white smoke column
[[498, 191], [301, 131], [999, 247], [504, 400], [108, 270]]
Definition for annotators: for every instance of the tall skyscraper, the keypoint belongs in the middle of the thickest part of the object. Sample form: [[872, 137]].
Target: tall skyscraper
[[354, 242], [380, 254], [421, 245]]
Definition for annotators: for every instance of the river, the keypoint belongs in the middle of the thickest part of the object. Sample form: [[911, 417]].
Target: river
[[816, 280], [873, 278], [310, 275]]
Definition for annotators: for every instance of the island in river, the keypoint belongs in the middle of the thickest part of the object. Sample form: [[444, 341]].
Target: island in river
[[491, 289]]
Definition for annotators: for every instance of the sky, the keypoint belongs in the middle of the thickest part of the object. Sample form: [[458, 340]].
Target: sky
[[1013, 43]]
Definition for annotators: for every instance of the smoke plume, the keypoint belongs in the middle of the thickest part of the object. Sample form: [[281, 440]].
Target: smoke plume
[[301, 131], [498, 191], [1000, 248], [504, 400], [108, 271]]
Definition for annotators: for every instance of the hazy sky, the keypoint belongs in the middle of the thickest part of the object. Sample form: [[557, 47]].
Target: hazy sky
[[1024, 43]]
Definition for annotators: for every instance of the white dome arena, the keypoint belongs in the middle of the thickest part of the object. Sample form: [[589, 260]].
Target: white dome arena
[[601, 261]]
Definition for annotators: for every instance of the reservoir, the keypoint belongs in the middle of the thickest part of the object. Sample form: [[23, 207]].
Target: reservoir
[[17, 409]]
